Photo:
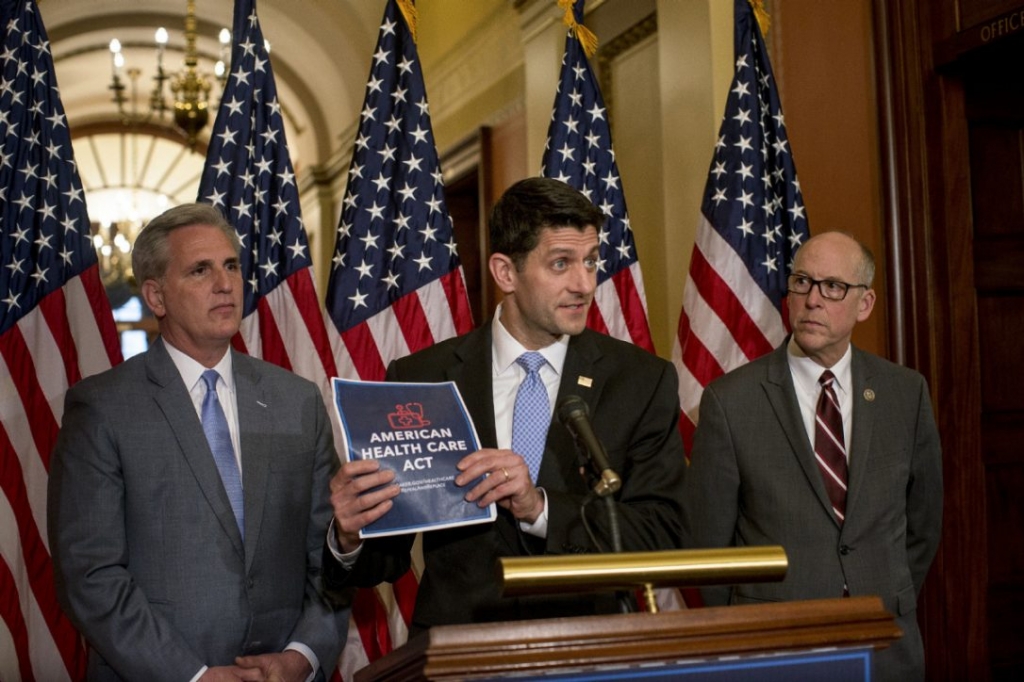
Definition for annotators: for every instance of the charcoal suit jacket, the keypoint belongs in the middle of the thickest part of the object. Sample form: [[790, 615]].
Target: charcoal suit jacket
[[634, 407], [148, 559], [753, 480]]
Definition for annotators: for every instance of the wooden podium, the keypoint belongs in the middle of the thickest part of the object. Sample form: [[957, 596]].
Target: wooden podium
[[567, 648]]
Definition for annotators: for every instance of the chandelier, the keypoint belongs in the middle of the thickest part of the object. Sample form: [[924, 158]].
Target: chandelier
[[189, 88]]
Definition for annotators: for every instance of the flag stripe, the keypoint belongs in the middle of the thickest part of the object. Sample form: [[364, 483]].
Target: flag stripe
[[54, 310], [10, 614], [372, 621], [307, 303], [98, 346], [630, 289], [454, 284], [595, 320], [698, 359], [405, 593], [35, 555], [412, 322], [388, 337], [722, 300], [271, 344], [18, 359], [365, 355]]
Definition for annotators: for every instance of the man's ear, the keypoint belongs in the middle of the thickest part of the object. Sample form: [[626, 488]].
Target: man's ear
[[866, 305], [153, 295], [503, 272]]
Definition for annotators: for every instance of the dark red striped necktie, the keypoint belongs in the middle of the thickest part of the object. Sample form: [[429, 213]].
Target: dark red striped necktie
[[830, 445]]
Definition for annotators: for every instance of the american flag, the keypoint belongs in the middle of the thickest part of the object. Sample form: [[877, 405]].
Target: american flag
[[55, 328], [249, 176], [396, 284], [752, 222], [579, 152]]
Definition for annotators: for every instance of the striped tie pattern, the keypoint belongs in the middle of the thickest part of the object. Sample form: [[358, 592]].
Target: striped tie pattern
[[531, 414], [830, 446], [215, 426]]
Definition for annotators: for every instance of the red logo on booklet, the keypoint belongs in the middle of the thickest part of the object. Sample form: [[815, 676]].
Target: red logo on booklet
[[408, 416]]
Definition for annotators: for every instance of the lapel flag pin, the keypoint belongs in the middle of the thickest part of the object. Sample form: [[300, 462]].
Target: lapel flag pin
[[586, 382]]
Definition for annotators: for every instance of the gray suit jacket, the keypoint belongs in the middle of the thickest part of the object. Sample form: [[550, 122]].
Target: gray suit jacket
[[634, 408], [148, 560], [753, 480]]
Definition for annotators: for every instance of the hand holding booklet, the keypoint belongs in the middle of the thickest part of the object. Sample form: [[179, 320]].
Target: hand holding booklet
[[419, 431]]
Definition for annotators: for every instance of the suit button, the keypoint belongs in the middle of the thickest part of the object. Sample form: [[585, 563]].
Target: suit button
[[844, 549]]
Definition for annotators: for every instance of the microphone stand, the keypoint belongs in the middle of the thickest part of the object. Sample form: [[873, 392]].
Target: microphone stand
[[600, 489]]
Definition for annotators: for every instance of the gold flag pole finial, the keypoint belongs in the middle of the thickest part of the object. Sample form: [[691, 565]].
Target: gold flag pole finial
[[409, 13], [764, 22], [586, 37]]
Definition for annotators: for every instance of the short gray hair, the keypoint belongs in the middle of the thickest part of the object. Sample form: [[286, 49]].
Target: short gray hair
[[867, 263], [150, 255]]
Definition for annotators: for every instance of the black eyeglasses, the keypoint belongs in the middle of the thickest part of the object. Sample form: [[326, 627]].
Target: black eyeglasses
[[831, 289]]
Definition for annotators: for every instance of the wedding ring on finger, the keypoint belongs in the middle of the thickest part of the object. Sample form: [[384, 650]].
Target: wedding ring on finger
[[505, 471]]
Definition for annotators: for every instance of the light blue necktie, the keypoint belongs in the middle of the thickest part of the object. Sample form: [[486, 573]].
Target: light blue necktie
[[217, 434], [532, 413]]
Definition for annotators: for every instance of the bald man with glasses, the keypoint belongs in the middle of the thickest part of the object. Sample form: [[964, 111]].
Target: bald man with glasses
[[827, 450]]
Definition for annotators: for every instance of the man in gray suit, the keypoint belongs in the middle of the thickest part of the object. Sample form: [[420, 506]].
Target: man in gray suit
[[173, 563], [758, 476]]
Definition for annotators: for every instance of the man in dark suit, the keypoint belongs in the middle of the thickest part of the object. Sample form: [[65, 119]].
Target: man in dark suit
[[171, 562], [866, 522], [544, 242]]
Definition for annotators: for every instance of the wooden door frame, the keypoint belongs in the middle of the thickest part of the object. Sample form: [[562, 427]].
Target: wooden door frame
[[933, 327]]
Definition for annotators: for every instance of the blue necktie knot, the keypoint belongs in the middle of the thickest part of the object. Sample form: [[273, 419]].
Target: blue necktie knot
[[531, 361], [210, 378], [531, 414], [215, 426]]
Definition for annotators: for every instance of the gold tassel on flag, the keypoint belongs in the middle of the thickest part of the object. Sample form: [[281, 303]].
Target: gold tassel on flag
[[409, 13], [583, 34], [764, 22]]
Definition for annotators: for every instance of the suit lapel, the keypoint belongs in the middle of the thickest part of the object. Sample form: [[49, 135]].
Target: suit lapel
[[581, 377], [782, 397], [473, 373], [864, 415], [255, 420], [174, 401], [473, 377]]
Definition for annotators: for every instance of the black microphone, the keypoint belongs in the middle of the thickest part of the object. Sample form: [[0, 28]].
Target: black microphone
[[575, 416]]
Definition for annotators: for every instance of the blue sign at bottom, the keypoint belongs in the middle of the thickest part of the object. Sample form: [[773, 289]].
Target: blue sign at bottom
[[846, 665]]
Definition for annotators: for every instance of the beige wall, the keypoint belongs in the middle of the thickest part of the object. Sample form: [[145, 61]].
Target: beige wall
[[495, 63]]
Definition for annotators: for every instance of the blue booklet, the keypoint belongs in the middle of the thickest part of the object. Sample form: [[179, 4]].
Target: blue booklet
[[420, 431]]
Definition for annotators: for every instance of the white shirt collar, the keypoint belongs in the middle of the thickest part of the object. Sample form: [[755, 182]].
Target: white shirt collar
[[505, 348], [191, 371], [806, 371]]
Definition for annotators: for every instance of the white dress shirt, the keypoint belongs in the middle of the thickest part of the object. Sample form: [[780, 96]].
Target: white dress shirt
[[507, 374], [806, 373], [192, 374]]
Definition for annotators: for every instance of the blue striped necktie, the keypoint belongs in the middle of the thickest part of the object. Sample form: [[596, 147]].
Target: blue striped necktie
[[215, 426], [532, 413]]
